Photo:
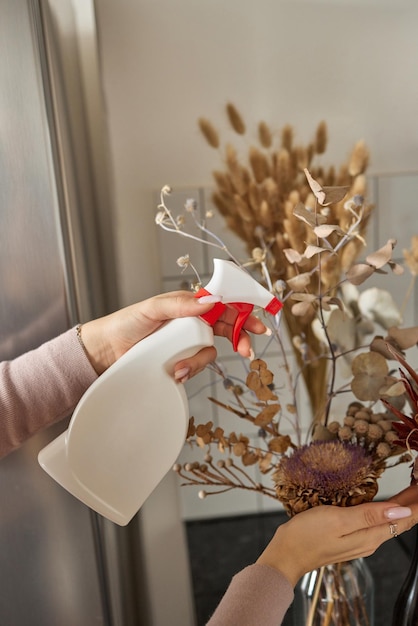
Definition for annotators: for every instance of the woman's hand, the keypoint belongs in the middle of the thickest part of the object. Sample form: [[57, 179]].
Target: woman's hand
[[108, 338], [332, 534]]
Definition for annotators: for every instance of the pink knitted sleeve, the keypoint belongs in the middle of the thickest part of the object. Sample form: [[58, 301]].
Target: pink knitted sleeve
[[257, 595], [41, 387]]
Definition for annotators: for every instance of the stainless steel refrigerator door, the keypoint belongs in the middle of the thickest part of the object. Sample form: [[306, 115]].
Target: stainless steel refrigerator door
[[55, 554]]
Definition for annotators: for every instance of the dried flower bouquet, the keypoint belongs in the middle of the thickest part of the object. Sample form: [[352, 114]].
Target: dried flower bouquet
[[304, 228], [306, 254]]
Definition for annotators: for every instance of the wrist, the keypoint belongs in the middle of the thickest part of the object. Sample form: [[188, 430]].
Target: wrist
[[279, 556], [91, 341]]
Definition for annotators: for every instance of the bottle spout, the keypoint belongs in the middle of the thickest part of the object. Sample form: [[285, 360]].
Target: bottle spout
[[238, 290]]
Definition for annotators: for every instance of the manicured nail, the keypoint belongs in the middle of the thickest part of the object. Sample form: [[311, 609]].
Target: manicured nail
[[398, 512], [182, 374], [252, 355], [268, 332], [209, 299]]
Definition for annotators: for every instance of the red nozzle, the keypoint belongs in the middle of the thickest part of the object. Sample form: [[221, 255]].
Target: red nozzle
[[244, 311]]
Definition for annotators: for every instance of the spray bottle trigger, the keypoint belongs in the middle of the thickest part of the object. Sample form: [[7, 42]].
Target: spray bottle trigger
[[212, 316], [244, 311]]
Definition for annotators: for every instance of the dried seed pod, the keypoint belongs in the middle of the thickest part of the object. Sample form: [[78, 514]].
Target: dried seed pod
[[362, 415], [259, 164], [334, 427], [359, 159], [209, 132], [345, 433], [361, 427], [353, 407], [375, 433], [287, 137], [321, 138], [385, 425], [235, 119], [264, 135], [383, 450]]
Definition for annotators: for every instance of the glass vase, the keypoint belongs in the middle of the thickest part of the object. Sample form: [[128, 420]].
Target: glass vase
[[335, 595]]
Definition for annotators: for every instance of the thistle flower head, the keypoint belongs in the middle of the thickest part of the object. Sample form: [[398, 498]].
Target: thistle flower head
[[326, 472]]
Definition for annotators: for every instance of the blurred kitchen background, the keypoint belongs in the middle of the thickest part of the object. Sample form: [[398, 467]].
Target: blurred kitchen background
[[164, 64]]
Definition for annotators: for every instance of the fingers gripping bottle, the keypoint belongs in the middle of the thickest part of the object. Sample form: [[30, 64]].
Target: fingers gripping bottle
[[108, 457]]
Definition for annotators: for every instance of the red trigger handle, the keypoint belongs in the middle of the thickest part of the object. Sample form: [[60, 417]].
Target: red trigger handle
[[212, 316]]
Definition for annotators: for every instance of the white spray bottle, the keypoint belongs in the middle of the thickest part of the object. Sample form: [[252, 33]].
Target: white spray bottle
[[108, 457]]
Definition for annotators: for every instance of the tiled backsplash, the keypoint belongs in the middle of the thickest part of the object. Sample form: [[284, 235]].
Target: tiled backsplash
[[396, 199]]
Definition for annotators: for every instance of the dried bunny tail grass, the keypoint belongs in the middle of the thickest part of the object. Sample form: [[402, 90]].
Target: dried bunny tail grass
[[239, 176], [223, 181], [209, 132], [294, 197], [359, 186], [243, 209], [270, 192], [330, 176], [302, 159], [235, 119], [287, 137], [238, 226], [266, 215], [343, 176], [310, 201], [281, 167], [321, 138], [359, 159], [295, 231], [259, 164], [224, 203], [254, 196], [310, 152], [265, 135]]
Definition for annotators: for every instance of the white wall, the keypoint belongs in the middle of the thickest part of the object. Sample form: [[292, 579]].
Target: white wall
[[167, 62]]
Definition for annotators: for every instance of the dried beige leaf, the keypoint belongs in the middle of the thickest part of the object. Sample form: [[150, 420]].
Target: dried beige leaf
[[370, 370], [253, 381], [280, 444], [369, 363], [311, 251], [300, 281], [359, 272], [309, 217], [293, 256], [382, 256], [301, 308], [239, 448], [404, 337], [266, 415], [325, 195], [249, 458], [325, 230], [394, 389], [265, 462], [304, 297]]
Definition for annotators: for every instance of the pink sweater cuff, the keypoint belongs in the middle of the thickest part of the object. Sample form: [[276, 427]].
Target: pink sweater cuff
[[258, 594], [41, 387]]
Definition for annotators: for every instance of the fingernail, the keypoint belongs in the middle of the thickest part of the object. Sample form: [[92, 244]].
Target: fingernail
[[398, 512], [209, 299], [268, 332], [252, 355], [182, 374]]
